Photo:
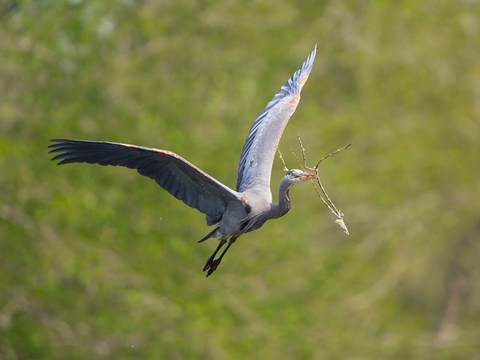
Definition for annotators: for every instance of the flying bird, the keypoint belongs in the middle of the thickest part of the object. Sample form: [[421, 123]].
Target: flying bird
[[231, 212]]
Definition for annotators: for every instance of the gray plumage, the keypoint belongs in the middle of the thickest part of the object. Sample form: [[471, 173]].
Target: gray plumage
[[232, 212]]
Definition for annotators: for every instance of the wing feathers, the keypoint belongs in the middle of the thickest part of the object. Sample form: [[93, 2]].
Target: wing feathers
[[173, 173], [262, 141]]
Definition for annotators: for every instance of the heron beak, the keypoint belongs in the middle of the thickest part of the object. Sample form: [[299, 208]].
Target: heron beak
[[309, 176]]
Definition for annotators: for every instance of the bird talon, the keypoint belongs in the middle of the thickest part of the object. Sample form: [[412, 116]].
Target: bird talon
[[211, 265], [208, 263]]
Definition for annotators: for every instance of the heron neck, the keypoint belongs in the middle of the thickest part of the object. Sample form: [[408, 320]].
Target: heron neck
[[283, 205]]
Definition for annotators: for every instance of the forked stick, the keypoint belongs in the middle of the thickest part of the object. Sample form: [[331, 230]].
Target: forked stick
[[325, 199]]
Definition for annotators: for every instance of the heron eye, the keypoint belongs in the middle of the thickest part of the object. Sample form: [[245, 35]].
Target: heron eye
[[289, 172]]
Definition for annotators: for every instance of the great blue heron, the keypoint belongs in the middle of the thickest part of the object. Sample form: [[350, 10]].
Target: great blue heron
[[232, 212]]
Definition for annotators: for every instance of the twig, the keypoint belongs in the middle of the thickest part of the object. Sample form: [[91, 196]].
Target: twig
[[329, 203], [331, 154], [326, 200], [296, 158], [285, 168], [303, 153]]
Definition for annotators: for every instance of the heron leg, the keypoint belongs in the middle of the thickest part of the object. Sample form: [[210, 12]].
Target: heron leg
[[213, 263], [212, 257]]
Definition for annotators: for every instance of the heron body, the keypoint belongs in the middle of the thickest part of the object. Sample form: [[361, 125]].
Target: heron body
[[232, 212]]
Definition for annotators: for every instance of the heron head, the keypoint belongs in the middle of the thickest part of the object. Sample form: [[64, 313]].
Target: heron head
[[295, 176]]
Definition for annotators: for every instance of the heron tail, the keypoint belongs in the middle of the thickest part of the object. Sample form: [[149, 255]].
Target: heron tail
[[209, 235]]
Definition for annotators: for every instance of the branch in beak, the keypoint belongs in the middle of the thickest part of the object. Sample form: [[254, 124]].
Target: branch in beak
[[310, 176]]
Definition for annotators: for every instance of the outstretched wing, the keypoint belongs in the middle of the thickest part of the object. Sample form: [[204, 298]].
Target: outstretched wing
[[180, 178], [262, 141]]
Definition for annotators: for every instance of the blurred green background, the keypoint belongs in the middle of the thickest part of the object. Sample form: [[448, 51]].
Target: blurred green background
[[99, 262]]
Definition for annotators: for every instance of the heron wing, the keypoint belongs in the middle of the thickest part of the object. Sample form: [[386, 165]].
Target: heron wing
[[180, 178], [259, 150]]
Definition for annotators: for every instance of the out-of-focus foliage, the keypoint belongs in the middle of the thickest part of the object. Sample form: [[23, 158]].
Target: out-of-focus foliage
[[101, 263]]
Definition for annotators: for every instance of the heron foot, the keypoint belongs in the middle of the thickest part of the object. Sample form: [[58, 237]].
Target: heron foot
[[212, 262], [211, 265]]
